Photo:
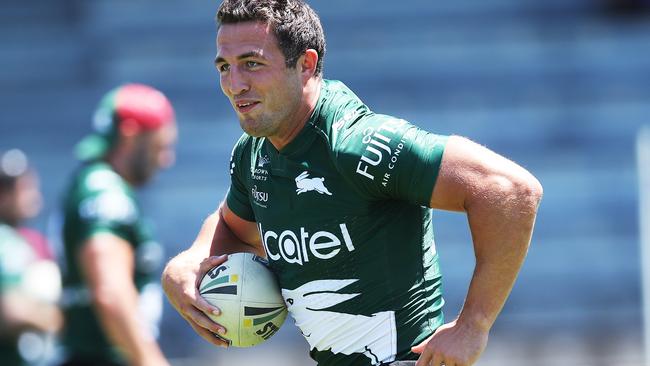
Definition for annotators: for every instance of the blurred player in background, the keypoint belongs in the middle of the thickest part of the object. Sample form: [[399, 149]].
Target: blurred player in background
[[30, 282], [338, 199], [112, 298]]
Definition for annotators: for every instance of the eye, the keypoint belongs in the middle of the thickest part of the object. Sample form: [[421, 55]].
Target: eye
[[252, 64], [223, 68]]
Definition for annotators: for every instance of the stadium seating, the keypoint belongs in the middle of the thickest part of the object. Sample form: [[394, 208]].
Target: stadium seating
[[555, 85]]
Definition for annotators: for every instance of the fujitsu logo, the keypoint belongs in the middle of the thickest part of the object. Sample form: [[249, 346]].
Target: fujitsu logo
[[302, 246], [306, 184], [259, 196]]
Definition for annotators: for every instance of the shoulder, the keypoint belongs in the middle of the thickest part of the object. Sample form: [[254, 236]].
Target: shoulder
[[98, 177], [388, 157], [338, 108], [101, 194], [369, 131], [365, 144]]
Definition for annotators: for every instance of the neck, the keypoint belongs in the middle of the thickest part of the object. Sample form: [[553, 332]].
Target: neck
[[119, 165], [311, 92]]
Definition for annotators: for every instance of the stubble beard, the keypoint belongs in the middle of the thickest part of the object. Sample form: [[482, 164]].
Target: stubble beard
[[258, 127], [271, 122], [142, 171]]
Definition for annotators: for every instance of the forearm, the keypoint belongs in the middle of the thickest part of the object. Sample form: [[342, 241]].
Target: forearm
[[19, 313], [117, 312], [108, 264], [501, 229], [182, 274]]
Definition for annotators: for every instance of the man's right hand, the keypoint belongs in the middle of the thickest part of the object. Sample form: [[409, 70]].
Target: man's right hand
[[180, 280]]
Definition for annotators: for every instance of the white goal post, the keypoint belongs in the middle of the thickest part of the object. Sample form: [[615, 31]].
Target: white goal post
[[643, 169]]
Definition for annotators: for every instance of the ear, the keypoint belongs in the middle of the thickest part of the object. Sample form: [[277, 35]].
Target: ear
[[129, 128], [308, 63]]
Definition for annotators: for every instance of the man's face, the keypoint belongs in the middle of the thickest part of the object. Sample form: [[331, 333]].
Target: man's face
[[23, 201], [154, 150], [264, 93]]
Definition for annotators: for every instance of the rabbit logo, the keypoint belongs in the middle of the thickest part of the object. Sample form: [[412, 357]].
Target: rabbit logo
[[305, 184], [373, 336]]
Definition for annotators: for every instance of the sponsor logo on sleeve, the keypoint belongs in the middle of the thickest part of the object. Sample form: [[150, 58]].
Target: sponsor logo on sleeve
[[103, 180], [109, 206], [378, 147]]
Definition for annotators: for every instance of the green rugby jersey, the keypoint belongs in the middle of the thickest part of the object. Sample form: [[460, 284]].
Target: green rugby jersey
[[342, 211], [16, 254], [100, 201]]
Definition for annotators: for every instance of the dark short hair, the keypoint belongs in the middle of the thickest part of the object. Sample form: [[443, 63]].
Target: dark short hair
[[296, 25]]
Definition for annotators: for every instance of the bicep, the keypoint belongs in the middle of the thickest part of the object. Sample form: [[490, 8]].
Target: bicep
[[470, 172], [236, 228]]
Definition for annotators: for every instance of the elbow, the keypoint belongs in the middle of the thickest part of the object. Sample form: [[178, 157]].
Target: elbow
[[102, 299], [528, 193], [534, 191], [105, 299]]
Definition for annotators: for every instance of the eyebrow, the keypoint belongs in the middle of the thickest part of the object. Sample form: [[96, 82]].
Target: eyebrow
[[246, 55]]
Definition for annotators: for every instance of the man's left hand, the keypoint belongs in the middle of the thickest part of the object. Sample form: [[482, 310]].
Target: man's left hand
[[453, 344]]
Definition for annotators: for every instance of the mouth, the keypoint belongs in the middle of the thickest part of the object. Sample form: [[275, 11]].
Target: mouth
[[245, 107]]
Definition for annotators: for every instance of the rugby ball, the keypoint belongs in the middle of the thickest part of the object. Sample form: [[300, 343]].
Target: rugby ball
[[246, 291]]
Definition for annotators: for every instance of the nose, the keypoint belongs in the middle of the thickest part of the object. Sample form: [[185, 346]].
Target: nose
[[237, 82]]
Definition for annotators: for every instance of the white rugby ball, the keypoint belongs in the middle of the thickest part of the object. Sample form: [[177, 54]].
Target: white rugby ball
[[246, 291]]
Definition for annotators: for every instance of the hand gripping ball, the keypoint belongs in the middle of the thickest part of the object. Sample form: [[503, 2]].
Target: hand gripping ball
[[247, 292]]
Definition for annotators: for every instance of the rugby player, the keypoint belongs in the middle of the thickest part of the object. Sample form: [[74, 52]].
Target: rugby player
[[338, 198], [112, 299], [25, 257]]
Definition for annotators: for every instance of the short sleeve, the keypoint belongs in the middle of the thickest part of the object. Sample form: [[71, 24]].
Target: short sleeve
[[15, 255], [388, 158], [237, 197], [108, 211]]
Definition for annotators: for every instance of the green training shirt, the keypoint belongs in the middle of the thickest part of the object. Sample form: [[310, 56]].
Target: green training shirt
[[344, 218], [100, 201]]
